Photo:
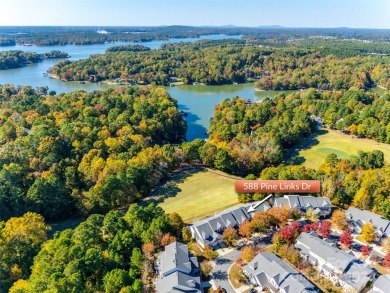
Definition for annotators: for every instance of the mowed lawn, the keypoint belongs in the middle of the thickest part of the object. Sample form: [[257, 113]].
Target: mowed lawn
[[342, 145], [197, 193]]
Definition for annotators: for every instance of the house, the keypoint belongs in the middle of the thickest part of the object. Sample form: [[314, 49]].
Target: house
[[304, 203], [381, 285], [343, 268], [177, 271], [357, 218], [209, 231], [267, 271]]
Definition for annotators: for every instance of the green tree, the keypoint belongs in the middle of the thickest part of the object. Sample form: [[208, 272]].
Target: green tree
[[115, 280]]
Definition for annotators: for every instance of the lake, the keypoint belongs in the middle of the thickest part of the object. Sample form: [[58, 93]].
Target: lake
[[197, 101]]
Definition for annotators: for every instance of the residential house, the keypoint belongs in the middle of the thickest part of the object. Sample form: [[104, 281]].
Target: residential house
[[209, 231], [177, 271], [267, 271], [304, 203], [381, 285], [357, 218], [343, 268]]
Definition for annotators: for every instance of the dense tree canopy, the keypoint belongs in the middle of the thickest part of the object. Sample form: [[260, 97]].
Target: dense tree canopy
[[103, 254], [92, 151], [16, 59], [227, 61], [20, 240]]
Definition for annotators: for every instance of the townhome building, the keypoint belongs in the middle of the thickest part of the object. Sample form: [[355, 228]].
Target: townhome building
[[356, 218], [209, 231], [177, 270], [343, 268], [268, 272], [304, 203]]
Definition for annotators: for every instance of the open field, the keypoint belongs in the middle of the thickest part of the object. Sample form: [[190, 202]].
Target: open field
[[197, 193], [313, 151]]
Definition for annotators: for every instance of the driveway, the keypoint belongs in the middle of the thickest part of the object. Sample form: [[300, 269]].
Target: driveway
[[220, 271]]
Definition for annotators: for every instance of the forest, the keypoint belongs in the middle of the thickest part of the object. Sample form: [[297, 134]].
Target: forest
[[93, 151], [228, 61], [255, 136], [108, 253], [16, 59]]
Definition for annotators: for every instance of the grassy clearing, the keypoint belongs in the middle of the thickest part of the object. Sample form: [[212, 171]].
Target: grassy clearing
[[313, 151], [197, 193]]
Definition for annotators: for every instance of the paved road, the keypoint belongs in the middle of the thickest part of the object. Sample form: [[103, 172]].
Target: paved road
[[220, 271]]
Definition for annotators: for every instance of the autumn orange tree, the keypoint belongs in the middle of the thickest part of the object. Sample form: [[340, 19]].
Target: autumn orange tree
[[339, 219], [229, 236], [248, 253]]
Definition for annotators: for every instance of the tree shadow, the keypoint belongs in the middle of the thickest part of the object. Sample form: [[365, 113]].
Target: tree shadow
[[293, 156], [221, 261], [220, 275], [169, 187]]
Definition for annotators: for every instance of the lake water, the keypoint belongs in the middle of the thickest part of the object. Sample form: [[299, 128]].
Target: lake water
[[198, 101]]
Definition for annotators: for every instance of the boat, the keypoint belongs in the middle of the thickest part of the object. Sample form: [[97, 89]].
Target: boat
[[182, 113], [82, 82]]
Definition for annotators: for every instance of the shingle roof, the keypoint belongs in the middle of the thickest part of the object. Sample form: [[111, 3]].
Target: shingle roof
[[355, 273], [381, 285], [178, 282], [309, 242], [177, 270], [274, 268], [176, 256], [208, 230], [377, 221], [297, 201]]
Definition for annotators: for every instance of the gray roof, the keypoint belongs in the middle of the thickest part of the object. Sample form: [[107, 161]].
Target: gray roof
[[177, 270], [209, 230], [381, 285], [357, 275], [355, 272], [377, 221], [178, 282], [309, 243], [267, 265], [298, 201], [176, 257]]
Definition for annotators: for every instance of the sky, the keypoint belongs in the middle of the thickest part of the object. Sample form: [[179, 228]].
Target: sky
[[290, 13]]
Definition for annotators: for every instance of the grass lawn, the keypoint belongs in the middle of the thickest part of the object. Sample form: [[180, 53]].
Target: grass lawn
[[236, 275], [313, 151], [197, 193]]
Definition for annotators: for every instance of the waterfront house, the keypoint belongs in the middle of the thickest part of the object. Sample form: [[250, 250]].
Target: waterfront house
[[177, 271], [304, 203], [343, 268], [357, 218], [268, 272]]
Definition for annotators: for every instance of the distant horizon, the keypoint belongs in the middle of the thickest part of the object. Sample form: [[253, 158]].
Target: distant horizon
[[369, 14], [227, 26]]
